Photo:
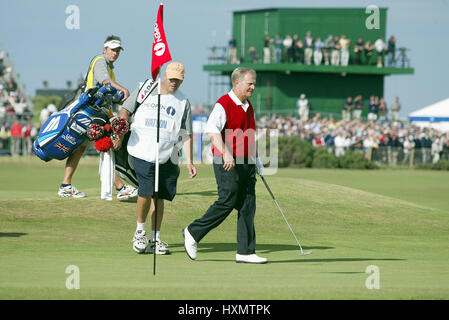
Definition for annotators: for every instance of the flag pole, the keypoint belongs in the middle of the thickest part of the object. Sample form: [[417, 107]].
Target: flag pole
[[156, 175], [160, 55]]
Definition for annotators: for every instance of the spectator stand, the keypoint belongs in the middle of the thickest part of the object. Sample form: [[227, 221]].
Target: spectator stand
[[327, 83], [16, 111]]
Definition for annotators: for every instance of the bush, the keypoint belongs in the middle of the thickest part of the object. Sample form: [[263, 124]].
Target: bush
[[324, 159], [297, 152], [440, 165], [355, 160], [303, 156], [40, 102], [294, 151]]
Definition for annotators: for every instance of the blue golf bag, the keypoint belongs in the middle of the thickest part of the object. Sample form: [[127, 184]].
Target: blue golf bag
[[66, 130]]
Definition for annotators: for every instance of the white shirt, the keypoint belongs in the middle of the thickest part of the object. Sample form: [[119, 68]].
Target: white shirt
[[303, 103], [368, 143], [339, 141], [44, 115], [380, 45], [217, 118], [288, 42], [408, 145], [142, 141]]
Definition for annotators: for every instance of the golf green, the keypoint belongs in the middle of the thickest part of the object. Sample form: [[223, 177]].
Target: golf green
[[379, 234]]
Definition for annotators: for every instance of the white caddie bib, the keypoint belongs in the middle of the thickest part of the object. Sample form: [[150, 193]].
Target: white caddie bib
[[142, 142]]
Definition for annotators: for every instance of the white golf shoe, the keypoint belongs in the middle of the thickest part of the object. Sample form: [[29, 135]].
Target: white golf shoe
[[161, 247], [126, 193], [70, 192], [140, 241], [189, 244], [250, 258]]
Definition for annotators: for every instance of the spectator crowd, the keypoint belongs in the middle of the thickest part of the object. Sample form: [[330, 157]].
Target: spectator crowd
[[377, 109], [16, 127], [394, 142], [334, 50]]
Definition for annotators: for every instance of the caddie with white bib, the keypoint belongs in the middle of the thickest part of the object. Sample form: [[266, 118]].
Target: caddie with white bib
[[175, 131]]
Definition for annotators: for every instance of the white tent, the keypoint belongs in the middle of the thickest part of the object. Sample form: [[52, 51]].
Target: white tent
[[433, 116]]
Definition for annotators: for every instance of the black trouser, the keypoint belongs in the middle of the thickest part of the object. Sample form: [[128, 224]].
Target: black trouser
[[236, 190]]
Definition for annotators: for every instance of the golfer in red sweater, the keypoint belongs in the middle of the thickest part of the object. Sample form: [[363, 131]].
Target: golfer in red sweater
[[231, 128]]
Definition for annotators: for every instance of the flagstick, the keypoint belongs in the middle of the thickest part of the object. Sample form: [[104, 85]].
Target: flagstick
[[156, 179]]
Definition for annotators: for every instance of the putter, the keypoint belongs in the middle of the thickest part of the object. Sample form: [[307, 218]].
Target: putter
[[303, 253]]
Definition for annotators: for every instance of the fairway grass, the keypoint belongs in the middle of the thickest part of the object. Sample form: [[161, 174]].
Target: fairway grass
[[396, 220]]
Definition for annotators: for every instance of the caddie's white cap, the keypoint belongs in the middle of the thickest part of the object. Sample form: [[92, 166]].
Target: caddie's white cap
[[113, 44]]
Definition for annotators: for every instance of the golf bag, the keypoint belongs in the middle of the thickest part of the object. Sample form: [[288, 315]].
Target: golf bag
[[123, 164], [66, 130]]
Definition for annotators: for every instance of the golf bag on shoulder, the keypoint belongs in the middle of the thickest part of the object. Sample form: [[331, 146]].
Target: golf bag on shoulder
[[123, 164], [65, 130]]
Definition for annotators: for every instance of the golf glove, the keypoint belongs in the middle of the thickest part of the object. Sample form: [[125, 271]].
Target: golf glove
[[259, 166]]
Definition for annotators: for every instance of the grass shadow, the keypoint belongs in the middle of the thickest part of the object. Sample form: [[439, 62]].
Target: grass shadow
[[304, 260], [12, 234], [206, 193], [209, 247], [260, 248], [337, 260], [130, 200]]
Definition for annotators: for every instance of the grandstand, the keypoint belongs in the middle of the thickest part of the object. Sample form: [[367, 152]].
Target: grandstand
[[5, 63], [15, 104], [326, 86]]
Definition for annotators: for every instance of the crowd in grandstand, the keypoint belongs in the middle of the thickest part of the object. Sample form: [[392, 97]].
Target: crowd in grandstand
[[377, 108], [334, 50], [16, 129], [341, 135]]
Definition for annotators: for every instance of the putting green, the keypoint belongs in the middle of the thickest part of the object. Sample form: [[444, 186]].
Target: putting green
[[395, 220]]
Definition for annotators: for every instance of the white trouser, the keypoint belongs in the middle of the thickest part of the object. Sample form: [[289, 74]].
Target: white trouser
[[26, 146], [357, 114], [335, 58], [308, 53], [317, 57], [106, 172], [344, 57], [372, 116], [233, 56], [15, 145], [395, 115], [266, 55], [304, 113]]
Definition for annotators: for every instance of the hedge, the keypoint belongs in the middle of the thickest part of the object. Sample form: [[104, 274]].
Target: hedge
[[297, 152]]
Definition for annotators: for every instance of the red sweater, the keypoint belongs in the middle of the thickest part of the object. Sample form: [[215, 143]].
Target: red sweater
[[16, 130], [239, 130]]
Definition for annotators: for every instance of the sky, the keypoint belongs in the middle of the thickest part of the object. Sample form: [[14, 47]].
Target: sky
[[41, 47]]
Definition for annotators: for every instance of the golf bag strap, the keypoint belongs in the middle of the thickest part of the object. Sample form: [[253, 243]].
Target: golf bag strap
[[83, 85], [144, 92], [123, 164]]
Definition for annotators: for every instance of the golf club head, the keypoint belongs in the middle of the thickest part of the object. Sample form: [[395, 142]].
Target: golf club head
[[304, 253]]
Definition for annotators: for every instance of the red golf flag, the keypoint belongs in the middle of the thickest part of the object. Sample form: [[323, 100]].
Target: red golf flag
[[161, 54]]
